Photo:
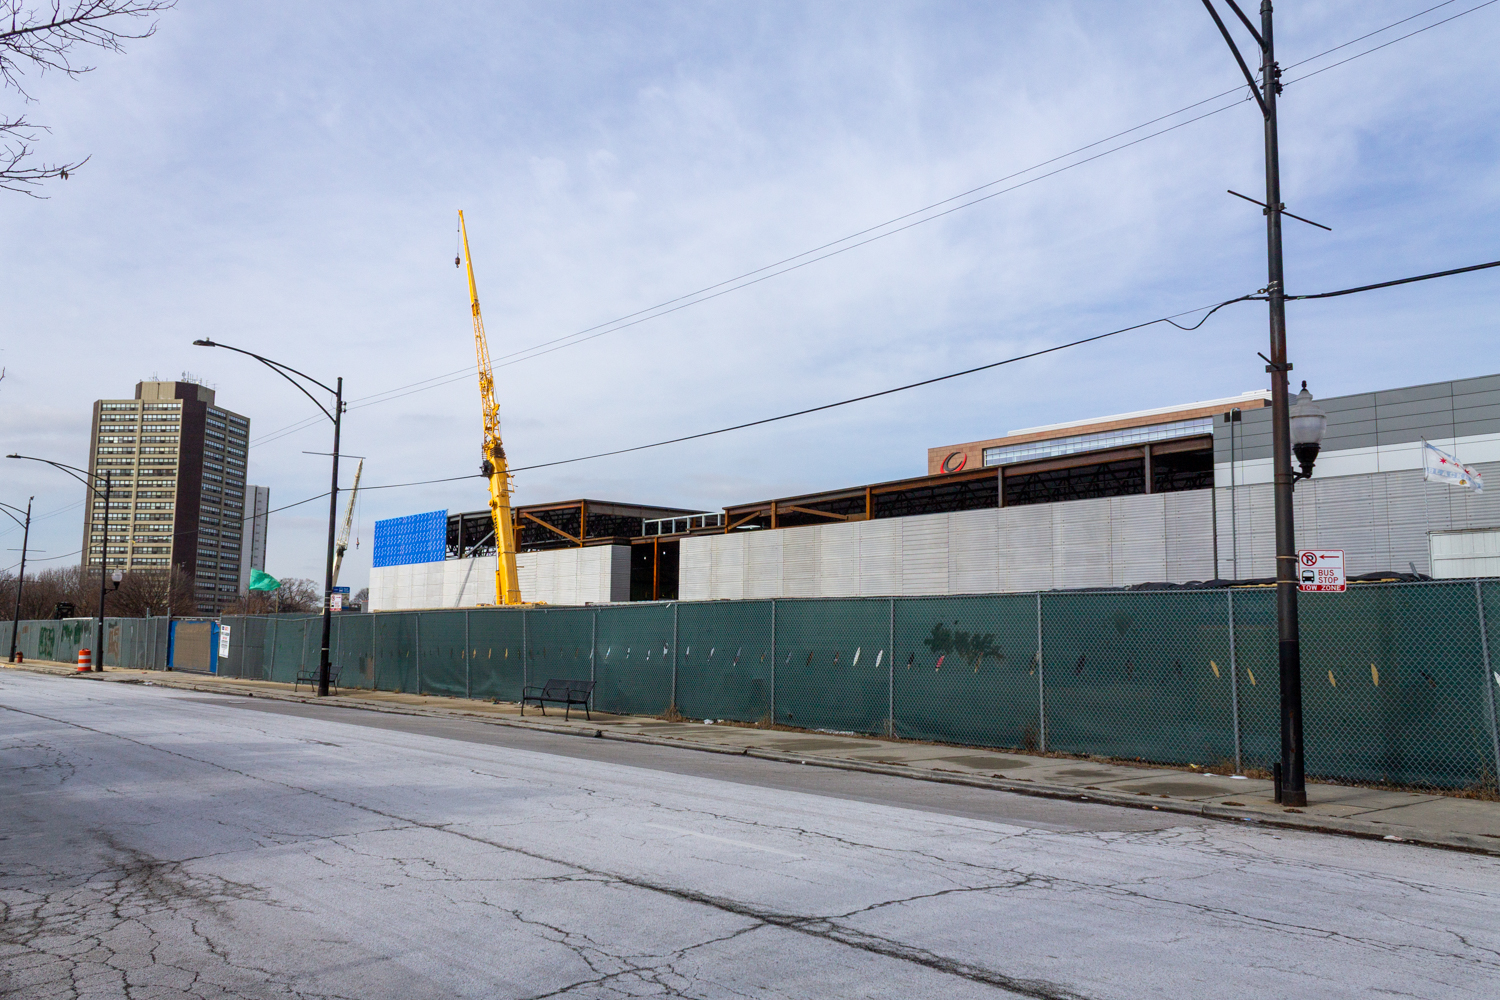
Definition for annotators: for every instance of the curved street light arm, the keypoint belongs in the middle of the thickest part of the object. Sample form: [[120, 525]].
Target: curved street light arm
[[279, 369], [69, 469], [1249, 77]]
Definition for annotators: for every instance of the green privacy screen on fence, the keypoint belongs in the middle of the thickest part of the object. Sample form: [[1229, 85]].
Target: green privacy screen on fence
[[1398, 685]]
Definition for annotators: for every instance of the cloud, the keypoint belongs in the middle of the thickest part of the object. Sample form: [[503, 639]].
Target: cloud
[[286, 178]]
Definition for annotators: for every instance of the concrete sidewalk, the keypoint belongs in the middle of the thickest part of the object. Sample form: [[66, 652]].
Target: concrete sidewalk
[[1430, 819]]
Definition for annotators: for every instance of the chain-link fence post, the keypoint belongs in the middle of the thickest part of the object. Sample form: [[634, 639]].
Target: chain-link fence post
[[468, 653], [525, 656], [773, 661], [338, 645], [593, 650], [890, 676], [416, 628], [1041, 689], [673, 702], [1489, 691], [1234, 684], [374, 656], [270, 671], [302, 655]]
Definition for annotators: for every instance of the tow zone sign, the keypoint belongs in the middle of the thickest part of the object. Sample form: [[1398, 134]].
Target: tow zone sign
[[1321, 571]]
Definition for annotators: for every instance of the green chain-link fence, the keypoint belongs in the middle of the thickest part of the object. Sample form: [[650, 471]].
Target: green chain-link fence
[[139, 643], [1398, 681]]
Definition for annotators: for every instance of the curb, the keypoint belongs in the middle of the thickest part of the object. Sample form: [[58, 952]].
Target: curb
[[1328, 825]]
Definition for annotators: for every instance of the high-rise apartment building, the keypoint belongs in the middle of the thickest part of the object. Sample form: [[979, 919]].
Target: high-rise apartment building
[[177, 468], [257, 505]]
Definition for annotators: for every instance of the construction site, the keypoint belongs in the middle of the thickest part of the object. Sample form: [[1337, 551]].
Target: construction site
[[1176, 495]]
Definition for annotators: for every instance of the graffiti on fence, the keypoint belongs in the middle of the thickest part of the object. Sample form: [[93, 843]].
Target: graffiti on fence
[[971, 647]]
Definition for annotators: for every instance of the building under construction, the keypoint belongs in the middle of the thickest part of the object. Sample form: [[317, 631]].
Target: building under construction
[[1176, 494]]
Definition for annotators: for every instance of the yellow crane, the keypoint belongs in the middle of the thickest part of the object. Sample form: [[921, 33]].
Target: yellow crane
[[507, 585], [343, 542]]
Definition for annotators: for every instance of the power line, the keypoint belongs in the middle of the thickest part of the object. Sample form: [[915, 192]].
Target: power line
[[739, 282], [902, 388], [1207, 311], [1393, 41], [1021, 357], [1398, 281]]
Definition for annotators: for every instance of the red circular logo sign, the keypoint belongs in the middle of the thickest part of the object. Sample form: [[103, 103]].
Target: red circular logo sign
[[950, 466], [1309, 558]]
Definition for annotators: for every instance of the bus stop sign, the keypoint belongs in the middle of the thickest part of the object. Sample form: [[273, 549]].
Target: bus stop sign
[[1321, 571]]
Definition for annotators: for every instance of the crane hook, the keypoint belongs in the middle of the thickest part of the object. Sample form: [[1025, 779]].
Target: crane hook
[[457, 261]]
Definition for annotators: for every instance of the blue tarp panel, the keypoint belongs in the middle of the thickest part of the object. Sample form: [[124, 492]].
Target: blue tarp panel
[[416, 538]]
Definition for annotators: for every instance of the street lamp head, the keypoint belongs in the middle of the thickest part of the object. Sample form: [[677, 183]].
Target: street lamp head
[[116, 577], [204, 343], [1308, 424]]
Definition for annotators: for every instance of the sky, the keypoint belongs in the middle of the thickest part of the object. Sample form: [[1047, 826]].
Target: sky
[[286, 178]]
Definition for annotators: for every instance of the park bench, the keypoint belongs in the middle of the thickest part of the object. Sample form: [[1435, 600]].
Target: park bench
[[311, 677], [559, 692]]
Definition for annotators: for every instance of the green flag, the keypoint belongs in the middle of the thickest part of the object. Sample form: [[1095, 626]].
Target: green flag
[[260, 580]]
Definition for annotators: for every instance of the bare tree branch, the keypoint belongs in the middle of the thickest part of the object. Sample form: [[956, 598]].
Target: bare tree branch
[[42, 36]]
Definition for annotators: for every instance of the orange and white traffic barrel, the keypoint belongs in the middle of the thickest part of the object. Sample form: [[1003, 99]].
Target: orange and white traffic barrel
[[85, 660]]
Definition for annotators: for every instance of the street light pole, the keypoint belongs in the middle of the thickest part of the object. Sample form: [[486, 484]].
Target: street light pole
[[1289, 642], [103, 577], [20, 580], [336, 416], [79, 474], [333, 502], [1289, 651]]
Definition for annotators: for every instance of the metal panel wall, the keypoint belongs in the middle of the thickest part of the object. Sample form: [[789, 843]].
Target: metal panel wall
[[595, 574], [1106, 542], [1380, 520]]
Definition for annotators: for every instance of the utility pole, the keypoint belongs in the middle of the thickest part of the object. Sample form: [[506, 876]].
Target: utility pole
[[291, 375], [88, 479], [20, 580], [103, 577], [1289, 653], [333, 513]]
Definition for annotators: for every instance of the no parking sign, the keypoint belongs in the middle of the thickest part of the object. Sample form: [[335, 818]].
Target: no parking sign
[[1321, 570]]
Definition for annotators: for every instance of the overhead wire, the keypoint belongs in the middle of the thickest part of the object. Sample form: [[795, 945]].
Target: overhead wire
[[702, 295], [1393, 41], [902, 388], [1207, 311], [1398, 281]]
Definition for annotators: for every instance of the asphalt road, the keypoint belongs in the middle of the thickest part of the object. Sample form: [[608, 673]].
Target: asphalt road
[[155, 843]]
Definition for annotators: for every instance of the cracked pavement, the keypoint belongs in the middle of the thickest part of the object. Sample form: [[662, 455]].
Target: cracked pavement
[[159, 844]]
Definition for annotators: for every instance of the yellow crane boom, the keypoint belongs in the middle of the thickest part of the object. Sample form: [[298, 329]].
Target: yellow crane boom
[[343, 542], [507, 584]]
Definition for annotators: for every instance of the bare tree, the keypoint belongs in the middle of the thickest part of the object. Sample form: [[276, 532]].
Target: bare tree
[[296, 595], [152, 591], [41, 35]]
